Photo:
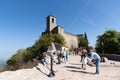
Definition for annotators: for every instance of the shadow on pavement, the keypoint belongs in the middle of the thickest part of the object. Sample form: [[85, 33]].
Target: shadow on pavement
[[72, 67], [85, 72], [40, 70]]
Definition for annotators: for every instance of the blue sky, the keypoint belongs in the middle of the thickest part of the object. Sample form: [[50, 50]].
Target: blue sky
[[23, 21]]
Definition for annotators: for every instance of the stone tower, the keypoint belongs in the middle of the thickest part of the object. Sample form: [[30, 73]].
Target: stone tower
[[51, 23], [70, 39]]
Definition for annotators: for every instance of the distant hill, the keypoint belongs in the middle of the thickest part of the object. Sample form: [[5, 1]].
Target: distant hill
[[2, 63]]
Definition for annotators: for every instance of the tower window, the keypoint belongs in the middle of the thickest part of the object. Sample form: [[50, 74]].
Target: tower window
[[52, 20]]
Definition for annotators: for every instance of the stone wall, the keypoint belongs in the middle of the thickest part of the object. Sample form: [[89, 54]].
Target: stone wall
[[71, 40], [111, 56]]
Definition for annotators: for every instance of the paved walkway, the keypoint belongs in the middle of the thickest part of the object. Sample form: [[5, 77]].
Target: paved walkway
[[66, 71]]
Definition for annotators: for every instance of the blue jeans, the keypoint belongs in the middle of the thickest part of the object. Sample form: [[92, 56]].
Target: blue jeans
[[97, 66]]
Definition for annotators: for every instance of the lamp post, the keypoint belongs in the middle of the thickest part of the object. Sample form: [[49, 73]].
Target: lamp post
[[58, 53], [103, 60], [51, 74], [103, 47]]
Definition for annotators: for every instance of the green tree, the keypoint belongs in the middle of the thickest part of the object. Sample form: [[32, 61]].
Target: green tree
[[109, 42], [16, 58], [35, 51], [83, 42], [27, 55], [45, 41], [13, 60], [58, 38]]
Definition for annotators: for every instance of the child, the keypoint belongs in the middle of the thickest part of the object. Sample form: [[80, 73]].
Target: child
[[84, 59]]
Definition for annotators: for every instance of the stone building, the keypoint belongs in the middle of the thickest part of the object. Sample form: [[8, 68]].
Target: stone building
[[71, 39]]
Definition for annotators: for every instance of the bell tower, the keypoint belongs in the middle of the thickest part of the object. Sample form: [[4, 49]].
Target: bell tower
[[50, 23]]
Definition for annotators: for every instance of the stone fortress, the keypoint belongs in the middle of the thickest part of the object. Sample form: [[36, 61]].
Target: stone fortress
[[71, 39]]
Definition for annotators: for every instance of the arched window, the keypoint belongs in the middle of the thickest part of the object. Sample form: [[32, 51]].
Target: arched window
[[52, 20]]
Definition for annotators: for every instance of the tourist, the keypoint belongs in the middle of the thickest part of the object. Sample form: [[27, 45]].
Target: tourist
[[64, 55], [84, 58], [46, 60], [67, 53], [94, 56]]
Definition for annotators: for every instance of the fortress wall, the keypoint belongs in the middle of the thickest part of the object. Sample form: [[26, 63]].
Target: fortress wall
[[111, 56], [71, 40]]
